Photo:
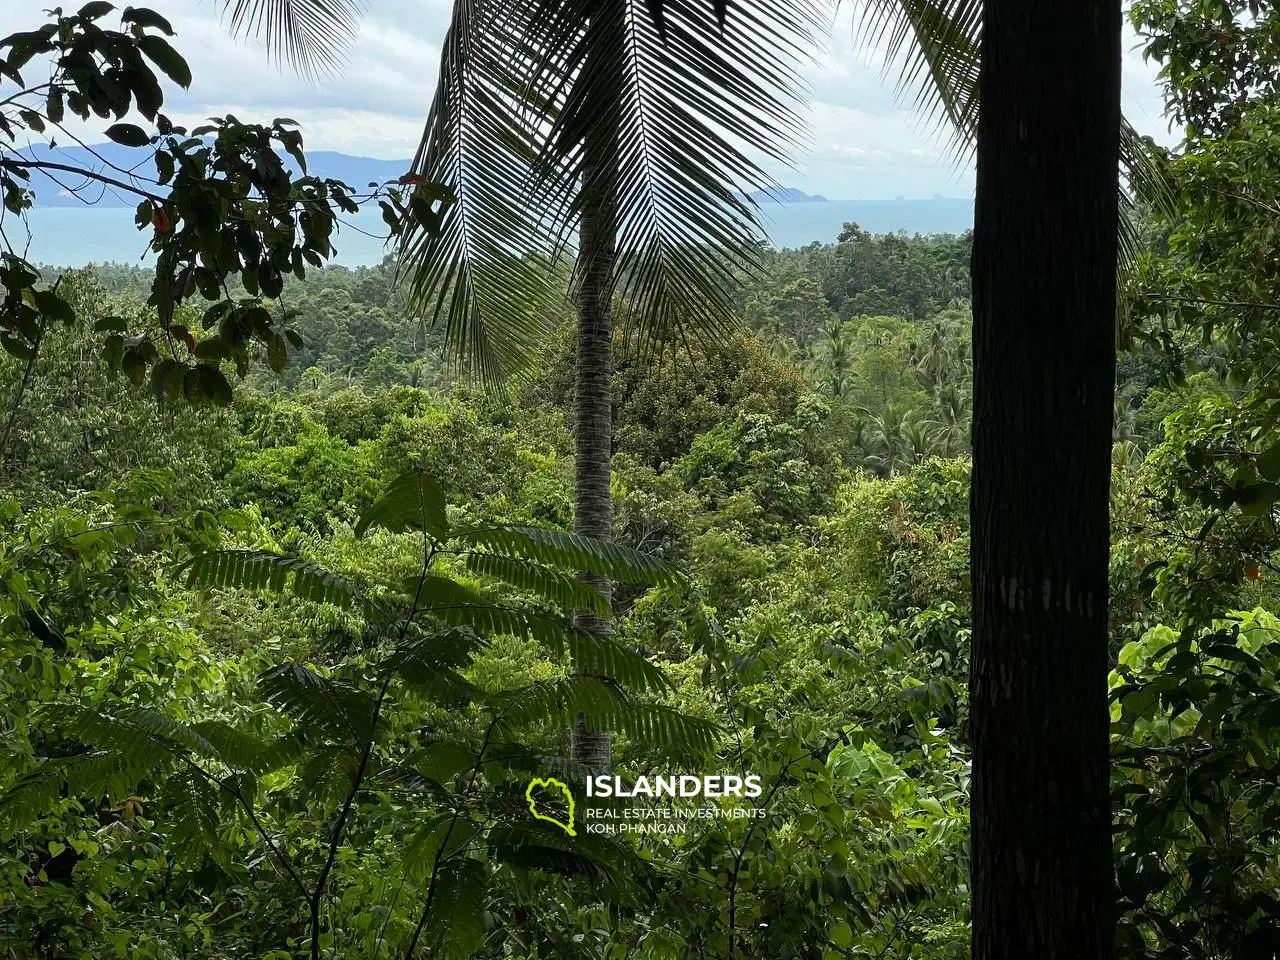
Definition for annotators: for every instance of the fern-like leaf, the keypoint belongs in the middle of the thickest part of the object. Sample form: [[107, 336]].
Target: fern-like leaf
[[284, 751], [328, 772], [496, 620], [138, 730], [262, 571], [563, 591], [237, 749], [431, 663], [605, 657], [439, 591], [90, 777], [455, 925], [573, 551], [604, 706], [195, 817], [441, 761], [534, 846], [318, 703], [413, 501]]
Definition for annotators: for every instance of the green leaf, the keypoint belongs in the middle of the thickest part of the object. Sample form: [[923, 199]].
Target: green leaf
[[1268, 463], [32, 120], [164, 167], [318, 702], [16, 348], [209, 383], [166, 378], [95, 10], [414, 501], [53, 306], [606, 707], [128, 134], [213, 350], [455, 925], [142, 17], [277, 353], [431, 662], [842, 934], [235, 748], [169, 61], [442, 761]]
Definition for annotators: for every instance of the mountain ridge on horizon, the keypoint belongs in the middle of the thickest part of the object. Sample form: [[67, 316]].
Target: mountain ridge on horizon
[[350, 168], [353, 170]]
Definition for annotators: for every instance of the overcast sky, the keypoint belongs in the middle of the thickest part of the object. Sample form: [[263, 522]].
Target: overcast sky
[[864, 144]]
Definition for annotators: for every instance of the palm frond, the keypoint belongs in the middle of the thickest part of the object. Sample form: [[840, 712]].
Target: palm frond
[[688, 111], [310, 35], [691, 110], [574, 552], [264, 571], [413, 501], [483, 273], [1150, 185], [936, 47]]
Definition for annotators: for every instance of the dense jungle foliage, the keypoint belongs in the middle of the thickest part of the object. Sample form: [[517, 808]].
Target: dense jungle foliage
[[279, 663]]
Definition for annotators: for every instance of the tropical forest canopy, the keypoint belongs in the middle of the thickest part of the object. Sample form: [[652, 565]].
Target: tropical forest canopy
[[292, 608]]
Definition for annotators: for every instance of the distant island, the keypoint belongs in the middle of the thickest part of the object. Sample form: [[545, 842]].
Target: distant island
[[785, 195]]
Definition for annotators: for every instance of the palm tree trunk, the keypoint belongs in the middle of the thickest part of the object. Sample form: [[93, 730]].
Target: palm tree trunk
[[593, 394], [1044, 295]]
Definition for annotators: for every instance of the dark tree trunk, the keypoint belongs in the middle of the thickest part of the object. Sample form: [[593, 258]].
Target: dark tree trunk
[[593, 394], [1044, 296]]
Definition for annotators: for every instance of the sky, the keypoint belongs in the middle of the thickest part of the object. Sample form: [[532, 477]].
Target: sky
[[864, 143]]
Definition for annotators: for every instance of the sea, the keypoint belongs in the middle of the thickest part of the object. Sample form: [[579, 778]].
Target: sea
[[76, 236]]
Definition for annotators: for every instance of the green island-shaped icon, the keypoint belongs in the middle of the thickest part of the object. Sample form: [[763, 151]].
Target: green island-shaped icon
[[550, 783]]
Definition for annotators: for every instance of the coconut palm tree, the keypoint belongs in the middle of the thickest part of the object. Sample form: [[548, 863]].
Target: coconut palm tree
[[633, 126], [833, 359]]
